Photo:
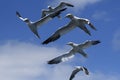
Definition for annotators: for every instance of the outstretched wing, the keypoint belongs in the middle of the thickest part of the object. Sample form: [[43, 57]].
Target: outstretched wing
[[89, 43], [78, 68], [46, 12], [63, 5], [62, 58], [48, 17], [19, 16], [60, 32], [83, 27], [91, 25], [83, 53], [86, 70], [74, 72]]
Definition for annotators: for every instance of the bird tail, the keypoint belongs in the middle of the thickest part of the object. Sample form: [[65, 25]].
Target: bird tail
[[18, 14]]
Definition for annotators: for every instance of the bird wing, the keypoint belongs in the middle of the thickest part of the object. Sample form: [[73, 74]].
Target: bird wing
[[83, 53], [91, 25], [63, 5], [48, 17], [19, 16], [45, 12], [86, 44], [86, 70], [74, 72], [60, 32], [62, 58], [83, 27], [89, 43], [67, 4]]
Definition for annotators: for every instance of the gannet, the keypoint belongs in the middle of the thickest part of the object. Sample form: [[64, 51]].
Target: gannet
[[76, 48], [35, 25], [75, 22], [77, 69], [54, 9]]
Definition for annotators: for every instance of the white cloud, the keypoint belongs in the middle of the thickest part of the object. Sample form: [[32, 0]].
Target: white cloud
[[26, 61], [79, 4], [116, 40]]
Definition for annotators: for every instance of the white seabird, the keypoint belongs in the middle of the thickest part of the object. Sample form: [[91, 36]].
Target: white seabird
[[77, 69], [54, 9], [35, 25], [76, 48], [75, 22]]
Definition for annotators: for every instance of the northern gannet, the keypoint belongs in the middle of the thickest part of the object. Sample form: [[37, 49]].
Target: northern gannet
[[76, 48], [35, 25], [77, 69], [75, 22], [52, 9]]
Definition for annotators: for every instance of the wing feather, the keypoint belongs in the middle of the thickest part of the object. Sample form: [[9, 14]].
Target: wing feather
[[62, 58], [60, 32]]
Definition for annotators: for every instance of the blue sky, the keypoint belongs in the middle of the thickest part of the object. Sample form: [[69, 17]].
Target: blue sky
[[23, 57]]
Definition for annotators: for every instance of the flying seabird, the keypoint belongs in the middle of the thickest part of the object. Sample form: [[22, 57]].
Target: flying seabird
[[35, 25], [57, 8], [77, 69], [75, 22], [76, 48]]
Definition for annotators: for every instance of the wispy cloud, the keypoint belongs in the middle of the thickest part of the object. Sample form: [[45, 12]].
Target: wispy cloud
[[26, 61], [116, 40]]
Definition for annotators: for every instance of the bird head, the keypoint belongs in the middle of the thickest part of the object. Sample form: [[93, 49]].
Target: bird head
[[70, 43], [49, 7], [69, 16]]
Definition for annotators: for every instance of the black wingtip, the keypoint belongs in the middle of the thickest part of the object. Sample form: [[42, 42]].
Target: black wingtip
[[96, 42], [50, 62], [63, 9], [45, 42], [89, 33], [70, 5], [37, 36], [53, 62], [18, 14], [86, 70], [51, 39]]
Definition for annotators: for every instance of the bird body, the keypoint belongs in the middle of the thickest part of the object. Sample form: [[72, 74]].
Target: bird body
[[76, 48]]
